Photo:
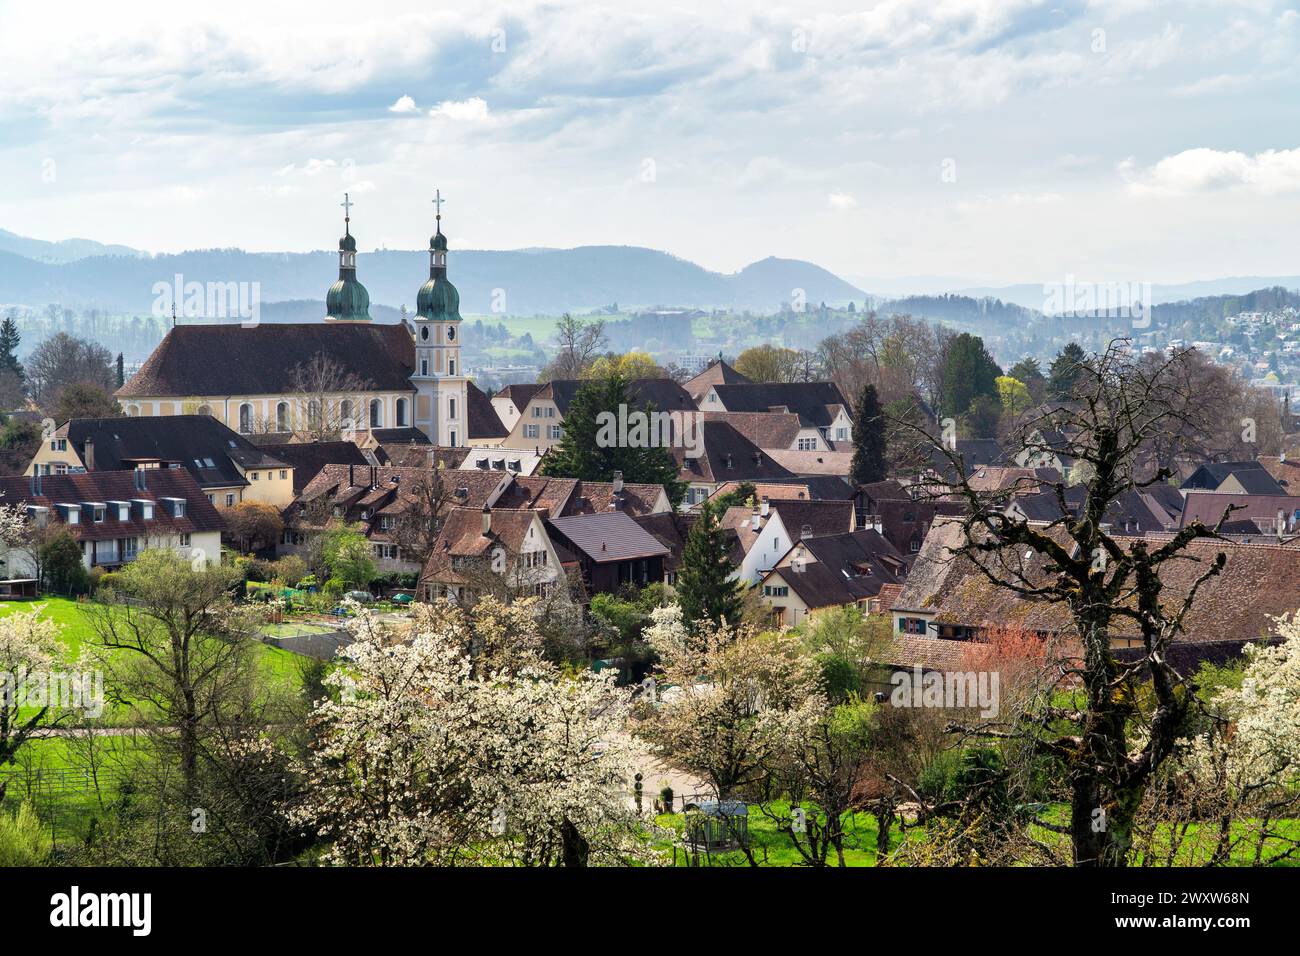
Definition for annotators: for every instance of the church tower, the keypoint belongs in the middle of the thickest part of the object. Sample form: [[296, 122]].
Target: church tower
[[347, 299], [439, 378]]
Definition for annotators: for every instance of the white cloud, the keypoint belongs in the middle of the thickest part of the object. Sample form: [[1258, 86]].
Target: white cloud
[[472, 110], [404, 104], [1203, 170], [841, 201]]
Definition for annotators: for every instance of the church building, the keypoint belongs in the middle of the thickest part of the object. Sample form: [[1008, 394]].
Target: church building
[[347, 376]]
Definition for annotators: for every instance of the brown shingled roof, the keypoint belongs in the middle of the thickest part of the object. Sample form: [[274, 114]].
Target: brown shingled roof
[[230, 359], [482, 420]]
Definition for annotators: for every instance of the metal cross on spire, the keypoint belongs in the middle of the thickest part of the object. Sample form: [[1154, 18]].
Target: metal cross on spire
[[347, 205], [437, 201]]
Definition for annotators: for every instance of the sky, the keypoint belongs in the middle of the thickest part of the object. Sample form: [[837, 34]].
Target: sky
[[991, 141]]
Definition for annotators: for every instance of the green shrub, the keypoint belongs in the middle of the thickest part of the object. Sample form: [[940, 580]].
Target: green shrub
[[22, 839]]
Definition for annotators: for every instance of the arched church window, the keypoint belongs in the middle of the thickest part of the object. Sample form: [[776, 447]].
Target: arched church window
[[313, 413], [282, 417], [202, 410], [246, 418], [345, 413], [401, 413], [451, 333], [424, 332], [376, 413]]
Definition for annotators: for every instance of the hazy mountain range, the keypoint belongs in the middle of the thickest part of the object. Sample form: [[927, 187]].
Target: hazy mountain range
[[85, 274], [517, 281]]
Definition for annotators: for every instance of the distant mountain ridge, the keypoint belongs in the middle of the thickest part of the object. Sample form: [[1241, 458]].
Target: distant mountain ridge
[[65, 250], [516, 281]]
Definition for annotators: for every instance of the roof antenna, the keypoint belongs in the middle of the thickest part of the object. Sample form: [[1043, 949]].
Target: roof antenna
[[173, 313]]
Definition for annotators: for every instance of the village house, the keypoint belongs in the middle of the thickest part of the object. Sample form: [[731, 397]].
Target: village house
[[227, 466], [946, 597], [115, 515], [540, 424], [493, 550], [612, 550], [826, 571], [820, 406], [762, 534], [379, 500]]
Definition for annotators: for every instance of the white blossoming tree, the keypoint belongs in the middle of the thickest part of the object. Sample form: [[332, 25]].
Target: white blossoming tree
[[1235, 787], [455, 743], [727, 699], [29, 644]]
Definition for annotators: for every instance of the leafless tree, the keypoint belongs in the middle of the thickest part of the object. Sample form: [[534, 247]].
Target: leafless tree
[[416, 529], [61, 361], [579, 344], [1103, 584], [328, 399]]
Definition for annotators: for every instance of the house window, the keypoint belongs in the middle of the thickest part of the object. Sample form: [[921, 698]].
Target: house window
[[253, 475], [556, 431], [841, 434], [246, 418], [531, 431], [99, 513], [185, 540], [284, 474], [230, 499], [807, 444]]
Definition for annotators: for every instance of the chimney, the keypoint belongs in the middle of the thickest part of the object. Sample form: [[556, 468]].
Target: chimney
[[487, 520], [351, 482], [1282, 458], [763, 507], [618, 482], [374, 476], [1281, 522], [756, 521], [88, 454]]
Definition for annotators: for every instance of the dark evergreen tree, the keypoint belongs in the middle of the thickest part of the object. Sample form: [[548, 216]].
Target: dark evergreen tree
[[9, 339], [1064, 370], [869, 462], [968, 372], [599, 440], [121, 370], [705, 588]]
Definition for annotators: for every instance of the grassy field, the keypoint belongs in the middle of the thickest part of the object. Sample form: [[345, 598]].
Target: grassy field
[[773, 846], [280, 667]]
